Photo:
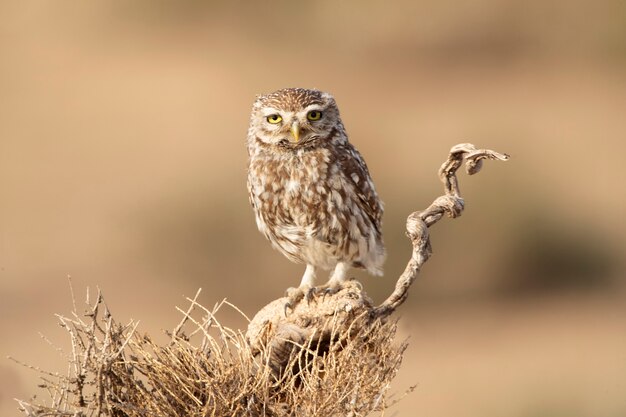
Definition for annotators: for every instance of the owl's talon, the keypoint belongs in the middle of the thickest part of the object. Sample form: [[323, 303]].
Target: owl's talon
[[294, 296], [330, 289], [310, 294]]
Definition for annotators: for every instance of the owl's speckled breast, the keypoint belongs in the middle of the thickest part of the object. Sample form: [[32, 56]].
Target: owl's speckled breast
[[290, 193], [308, 208]]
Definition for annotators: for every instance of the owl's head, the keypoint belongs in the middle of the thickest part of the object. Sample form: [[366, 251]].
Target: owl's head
[[294, 117]]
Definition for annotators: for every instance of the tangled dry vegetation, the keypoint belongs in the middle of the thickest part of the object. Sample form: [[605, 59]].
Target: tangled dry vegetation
[[210, 370], [333, 356]]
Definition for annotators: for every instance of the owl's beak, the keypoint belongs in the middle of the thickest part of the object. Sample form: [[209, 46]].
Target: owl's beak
[[295, 132]]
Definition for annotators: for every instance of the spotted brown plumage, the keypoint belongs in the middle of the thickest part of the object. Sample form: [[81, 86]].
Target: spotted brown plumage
[[310, 189]]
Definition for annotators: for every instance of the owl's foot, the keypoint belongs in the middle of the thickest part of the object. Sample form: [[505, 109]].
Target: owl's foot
[[331, 287], [295, 295], [334, 286]]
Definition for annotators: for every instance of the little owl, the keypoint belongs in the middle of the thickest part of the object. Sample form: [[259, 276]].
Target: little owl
[[310, 189]]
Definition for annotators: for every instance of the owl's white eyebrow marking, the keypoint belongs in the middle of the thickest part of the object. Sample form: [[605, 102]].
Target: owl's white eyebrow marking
[[269, 110], [314, 107]]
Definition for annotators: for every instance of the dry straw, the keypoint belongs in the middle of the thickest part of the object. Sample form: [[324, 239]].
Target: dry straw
[[333, 356]]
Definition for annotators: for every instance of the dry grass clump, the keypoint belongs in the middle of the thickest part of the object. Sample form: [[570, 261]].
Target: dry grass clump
[[207, 369]]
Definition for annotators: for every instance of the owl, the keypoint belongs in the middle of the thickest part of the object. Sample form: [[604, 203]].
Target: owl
[[311, 192]]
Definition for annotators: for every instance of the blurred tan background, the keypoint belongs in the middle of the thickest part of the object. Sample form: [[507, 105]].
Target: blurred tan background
[[122, 164]]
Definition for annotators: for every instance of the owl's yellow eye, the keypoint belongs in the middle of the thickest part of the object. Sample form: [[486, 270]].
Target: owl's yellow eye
[[274, 119], [314, 115]]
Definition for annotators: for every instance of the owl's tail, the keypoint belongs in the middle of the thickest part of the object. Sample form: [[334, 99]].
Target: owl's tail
[[375, 256]]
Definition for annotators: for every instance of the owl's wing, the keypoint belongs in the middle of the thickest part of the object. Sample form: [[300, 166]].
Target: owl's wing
[[356, 170]]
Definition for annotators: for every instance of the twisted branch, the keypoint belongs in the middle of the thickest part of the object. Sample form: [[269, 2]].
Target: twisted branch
[[418, 222]]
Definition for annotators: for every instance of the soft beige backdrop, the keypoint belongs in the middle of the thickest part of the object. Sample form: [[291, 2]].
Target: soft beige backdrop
[[122, 164]]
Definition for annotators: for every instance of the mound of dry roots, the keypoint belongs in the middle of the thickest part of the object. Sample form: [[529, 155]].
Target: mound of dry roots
[[334, 355], [210, 370]]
